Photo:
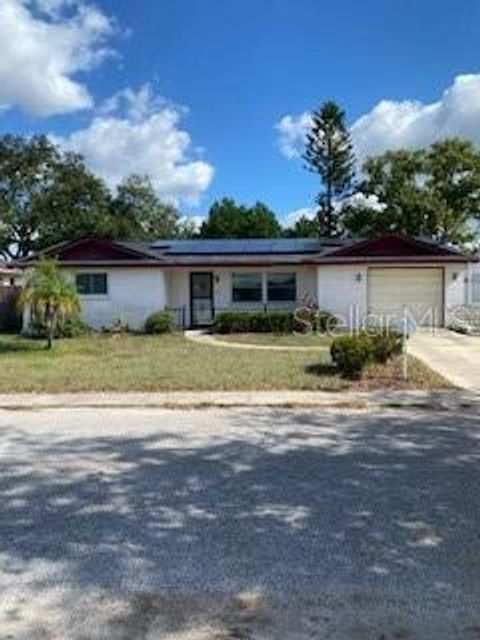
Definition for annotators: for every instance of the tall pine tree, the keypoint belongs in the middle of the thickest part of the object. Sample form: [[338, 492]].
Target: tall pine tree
[[329, 153]]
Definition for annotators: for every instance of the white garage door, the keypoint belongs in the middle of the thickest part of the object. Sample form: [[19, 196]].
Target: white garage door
[[420, 291]]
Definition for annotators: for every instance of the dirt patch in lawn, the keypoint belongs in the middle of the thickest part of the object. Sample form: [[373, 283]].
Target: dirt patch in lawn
[[390, 376]]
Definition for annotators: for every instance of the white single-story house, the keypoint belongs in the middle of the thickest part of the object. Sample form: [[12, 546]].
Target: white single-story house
[[197, 279]]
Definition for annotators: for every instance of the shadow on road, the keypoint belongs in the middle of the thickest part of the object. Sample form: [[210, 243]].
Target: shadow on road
[[283, 502]]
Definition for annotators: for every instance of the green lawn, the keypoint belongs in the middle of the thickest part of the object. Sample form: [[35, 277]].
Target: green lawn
[[155, 363], [277, 340]]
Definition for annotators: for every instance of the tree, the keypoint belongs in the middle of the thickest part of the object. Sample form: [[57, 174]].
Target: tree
[[452, 168], [187, 228], [46, 196], [329, 153], [433, 192], [76, 204], [227, 219], [26, 173], [403, 205], [304, 228], [140, 213], [50, 297]]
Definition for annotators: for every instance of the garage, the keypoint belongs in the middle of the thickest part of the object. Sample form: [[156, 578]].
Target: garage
[[419, 290]]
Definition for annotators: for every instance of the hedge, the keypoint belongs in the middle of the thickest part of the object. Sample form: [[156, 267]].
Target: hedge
[[254, 322]]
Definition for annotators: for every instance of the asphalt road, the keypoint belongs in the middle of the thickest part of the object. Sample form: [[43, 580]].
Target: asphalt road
[[239, 524]]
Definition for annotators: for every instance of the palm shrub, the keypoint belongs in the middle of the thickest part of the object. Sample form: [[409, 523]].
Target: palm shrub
[[52, 299]]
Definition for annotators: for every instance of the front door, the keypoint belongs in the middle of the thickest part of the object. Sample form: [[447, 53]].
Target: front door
[[201, 298]]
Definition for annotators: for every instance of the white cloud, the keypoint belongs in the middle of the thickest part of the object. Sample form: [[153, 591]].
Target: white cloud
[[356, 200], [292, 131], [400, 124], [412, 124], [45, 43], [138, 132], [194, 222], [291, 218], [368, 201]]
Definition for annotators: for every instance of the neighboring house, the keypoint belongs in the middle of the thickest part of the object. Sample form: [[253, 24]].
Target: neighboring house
[[199, 278], [10, 286], [9, 276]]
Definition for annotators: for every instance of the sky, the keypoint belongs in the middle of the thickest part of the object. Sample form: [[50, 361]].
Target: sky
[[211, 98]]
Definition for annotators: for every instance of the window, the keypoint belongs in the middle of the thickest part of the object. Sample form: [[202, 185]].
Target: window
[[247, 287], [91, 284], [281, 287]]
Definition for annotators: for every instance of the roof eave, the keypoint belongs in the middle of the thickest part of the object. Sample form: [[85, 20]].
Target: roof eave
[[393, 259]]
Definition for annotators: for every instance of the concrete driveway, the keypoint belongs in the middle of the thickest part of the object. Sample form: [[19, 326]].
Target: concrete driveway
[[455, 356], [240, 524]]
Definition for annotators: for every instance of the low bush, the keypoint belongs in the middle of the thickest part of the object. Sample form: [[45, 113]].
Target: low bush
[[326, 321], [386, 344], [308, 319], [351, 354], [73, 327], [159, 322], [254, 322]]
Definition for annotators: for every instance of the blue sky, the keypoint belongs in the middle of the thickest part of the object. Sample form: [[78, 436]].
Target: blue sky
[[211, 97]]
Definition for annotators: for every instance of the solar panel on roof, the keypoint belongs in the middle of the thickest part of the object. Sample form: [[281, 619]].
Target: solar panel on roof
[[237, 246]]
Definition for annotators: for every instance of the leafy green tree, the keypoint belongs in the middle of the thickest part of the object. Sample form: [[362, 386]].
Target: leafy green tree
[[47, 196], [227, 219], [452, 169], [26, 174], [304, 228], [140, 213], [76, 204], [50, 297], [329, 153], [186, 229], [263, 222], [433, 192], [404, 206]]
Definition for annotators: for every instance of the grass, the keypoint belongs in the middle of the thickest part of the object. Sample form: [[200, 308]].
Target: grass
[[277, 340], [161, 363]]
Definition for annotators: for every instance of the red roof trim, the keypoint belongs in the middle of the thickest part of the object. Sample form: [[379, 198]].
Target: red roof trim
[[393, 244], [110, 248]]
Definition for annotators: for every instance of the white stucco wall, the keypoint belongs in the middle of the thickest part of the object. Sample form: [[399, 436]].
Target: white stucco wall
[[133, 293], [178, 293], [342, 290], [456, 281]]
